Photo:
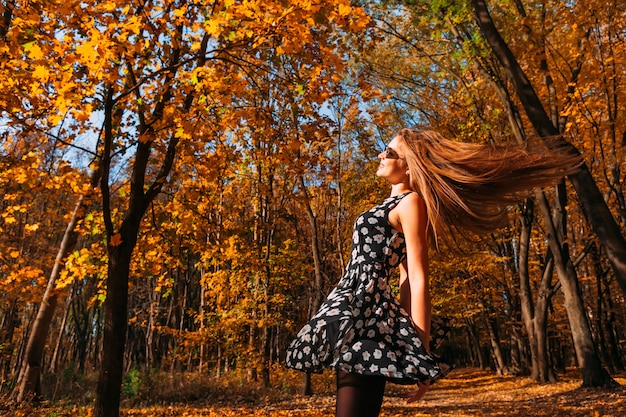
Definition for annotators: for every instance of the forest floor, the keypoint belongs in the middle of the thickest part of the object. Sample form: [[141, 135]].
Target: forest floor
[[464, 393]]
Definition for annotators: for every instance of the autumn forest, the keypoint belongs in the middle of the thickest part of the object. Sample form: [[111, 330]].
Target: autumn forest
[[179, 179]]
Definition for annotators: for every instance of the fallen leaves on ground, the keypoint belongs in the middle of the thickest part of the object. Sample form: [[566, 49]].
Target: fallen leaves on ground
[[464, 393], [472, 393]]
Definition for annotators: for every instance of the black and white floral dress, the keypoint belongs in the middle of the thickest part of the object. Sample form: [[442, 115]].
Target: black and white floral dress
[[360, 327]]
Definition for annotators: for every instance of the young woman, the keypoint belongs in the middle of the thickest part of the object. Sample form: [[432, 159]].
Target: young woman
[[437, 185]]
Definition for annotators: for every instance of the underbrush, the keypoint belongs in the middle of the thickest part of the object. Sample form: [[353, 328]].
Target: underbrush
[[235, 387]]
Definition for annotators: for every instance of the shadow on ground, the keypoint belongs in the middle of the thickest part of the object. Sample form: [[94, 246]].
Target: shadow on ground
[[472, 392]]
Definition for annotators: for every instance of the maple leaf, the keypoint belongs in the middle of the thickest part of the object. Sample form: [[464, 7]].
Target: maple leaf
[[40, 73], [34, 51], [88, 51], [116, 239]]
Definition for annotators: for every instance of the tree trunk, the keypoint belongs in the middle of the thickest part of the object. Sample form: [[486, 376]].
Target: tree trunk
[[266, 339], [545, 292], [600, 315], [218, 365], [339, 218], [516, 344], [201, 313], [606, 315], [267, 352], [474, 346], [590, 197], [29, 384], [614, 343], [503, 248], [594, 375], [526, 301], [535, 314], [57, 346], [252, 358], [120, 247], [7, 329], [307, 389], [115, 324], [494, 340], [82, 330]]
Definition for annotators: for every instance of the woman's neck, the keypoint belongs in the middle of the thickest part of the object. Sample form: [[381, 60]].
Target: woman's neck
[[401, 188]]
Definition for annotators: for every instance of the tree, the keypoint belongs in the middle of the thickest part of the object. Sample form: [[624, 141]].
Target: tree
[[29, 379], [156, 73], [594, 206], [424, 44], [589, 195]]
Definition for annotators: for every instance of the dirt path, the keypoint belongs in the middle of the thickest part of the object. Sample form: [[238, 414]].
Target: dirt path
[[471, 393], [477, 393]]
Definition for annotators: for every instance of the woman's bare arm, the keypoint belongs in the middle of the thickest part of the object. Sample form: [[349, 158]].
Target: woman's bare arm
[[414, 285]]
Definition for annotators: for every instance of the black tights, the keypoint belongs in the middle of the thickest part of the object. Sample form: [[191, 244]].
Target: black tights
[[359, 395]]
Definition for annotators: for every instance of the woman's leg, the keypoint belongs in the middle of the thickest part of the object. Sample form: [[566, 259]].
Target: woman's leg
[[359, 395]]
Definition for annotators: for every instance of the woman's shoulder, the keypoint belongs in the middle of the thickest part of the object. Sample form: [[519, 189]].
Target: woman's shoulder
[[410, 204], [410, 198], [409, 213]]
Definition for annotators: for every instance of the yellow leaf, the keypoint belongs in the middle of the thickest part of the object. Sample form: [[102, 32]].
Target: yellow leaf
[[35, 88], [212, 27], [55, 119], [35, 52], [345, 9], [109, 6], [116, 239], [31, 227], [88, 51], [14, 254], [40, 73]]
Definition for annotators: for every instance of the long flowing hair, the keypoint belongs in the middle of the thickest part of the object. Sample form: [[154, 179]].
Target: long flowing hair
[[468, 186]]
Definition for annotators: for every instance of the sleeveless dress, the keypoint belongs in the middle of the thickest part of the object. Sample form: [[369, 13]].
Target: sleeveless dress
[[361, 327]]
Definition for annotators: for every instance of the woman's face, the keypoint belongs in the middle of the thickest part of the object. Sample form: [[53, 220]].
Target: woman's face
[[392, 164]]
